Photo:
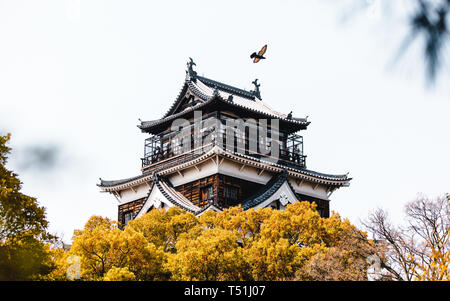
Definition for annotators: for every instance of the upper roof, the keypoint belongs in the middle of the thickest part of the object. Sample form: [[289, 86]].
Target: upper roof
[[207, 91]]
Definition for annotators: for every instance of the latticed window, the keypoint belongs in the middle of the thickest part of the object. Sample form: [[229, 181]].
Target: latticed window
[[207, 193], [231, 193], [127, 216]]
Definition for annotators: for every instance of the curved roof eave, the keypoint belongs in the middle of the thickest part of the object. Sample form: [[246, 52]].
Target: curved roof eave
[[321, 178]]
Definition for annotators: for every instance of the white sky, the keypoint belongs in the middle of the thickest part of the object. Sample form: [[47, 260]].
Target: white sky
[[79, 74]]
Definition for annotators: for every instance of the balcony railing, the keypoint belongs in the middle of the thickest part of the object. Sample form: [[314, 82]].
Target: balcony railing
[[163, 148]]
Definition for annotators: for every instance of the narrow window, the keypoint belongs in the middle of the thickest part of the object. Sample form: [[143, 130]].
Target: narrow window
[[231, 194], [207, 193], [127, 216]]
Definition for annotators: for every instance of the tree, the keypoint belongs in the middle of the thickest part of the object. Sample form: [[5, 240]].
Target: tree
[[419, 250], [430, 21], [346, 259], [101, 246], [23, 228], [261, 244], [119, 274], [162, 228], [427, 23], [213, 255]]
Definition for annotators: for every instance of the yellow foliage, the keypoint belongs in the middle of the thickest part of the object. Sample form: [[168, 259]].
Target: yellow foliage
[[261, 244], [436, 270], [213, 255], [59, 258], [101, 246], [119, 274], [162, 227]]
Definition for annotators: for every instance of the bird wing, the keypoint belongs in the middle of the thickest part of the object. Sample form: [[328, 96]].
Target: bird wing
[[253, 55], [263, 50], [256, 59]]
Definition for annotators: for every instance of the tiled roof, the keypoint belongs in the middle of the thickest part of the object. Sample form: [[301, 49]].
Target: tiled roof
[[192, 158], [209, 90], [174, 196], [171, 162], [226, 88], [267, 191], [171, 195], [104, 183]]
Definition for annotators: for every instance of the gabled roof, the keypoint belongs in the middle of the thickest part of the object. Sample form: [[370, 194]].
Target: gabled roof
[[172, 196], [268, 190], [168, 194], [208, 91]]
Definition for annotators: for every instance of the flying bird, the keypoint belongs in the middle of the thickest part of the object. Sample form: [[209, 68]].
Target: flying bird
[[258, 56]]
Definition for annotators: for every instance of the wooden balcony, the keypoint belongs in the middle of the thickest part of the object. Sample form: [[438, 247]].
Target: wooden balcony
[[165, 150]]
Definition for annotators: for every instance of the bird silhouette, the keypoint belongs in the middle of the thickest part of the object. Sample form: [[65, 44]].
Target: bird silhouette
[[258, 56]]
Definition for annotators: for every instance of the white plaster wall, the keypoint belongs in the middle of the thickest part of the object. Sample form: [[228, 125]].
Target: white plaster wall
[[208, 168], [307, 188], [248, 173], [227, 167], [128, 195], [284, 194]]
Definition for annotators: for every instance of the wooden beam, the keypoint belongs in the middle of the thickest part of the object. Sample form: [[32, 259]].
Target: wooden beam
[[331, 190], [260, 172], [196, 167], [117, 196], [242, 167], [221, 161], [180, 173]]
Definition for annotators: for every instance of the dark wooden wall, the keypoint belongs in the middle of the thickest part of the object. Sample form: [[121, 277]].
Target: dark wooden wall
[[322, 206], [217, 184], [133, 206], [245, 190], [192, 190]]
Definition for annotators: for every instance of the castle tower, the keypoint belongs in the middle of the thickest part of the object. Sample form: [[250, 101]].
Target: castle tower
[[220, 146]]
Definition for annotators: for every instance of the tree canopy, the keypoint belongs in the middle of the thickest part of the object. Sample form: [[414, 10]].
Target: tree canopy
[[23, 227], [262, 244]]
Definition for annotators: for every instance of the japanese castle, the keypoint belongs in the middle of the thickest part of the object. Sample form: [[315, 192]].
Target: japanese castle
[[220, 146]]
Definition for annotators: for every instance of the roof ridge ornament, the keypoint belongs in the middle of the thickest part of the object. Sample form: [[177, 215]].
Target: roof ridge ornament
[[190, 68], [256, 92]]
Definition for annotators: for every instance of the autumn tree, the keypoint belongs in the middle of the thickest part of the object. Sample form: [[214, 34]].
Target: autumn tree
[[299, 236], [162, 228], [119, 274], [420, 249], [213, 255], [101, 246], [23, 228], [256, 244], [345, 258]]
